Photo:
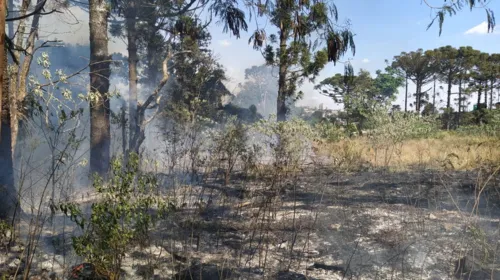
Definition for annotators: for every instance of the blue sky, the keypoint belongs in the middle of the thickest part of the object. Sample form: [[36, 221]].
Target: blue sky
[[383, 28]]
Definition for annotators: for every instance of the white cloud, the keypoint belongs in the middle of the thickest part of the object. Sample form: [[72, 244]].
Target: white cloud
[[481, 28], [225, 43], [365, 60]]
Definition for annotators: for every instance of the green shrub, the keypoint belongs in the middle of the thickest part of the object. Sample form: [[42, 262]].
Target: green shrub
[[289, 142], [128, 206], [229, 146], [351, 130], [392, 130], [328, 131], [400, 126]]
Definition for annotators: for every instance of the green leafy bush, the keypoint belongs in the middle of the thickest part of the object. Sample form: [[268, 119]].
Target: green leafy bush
[[229, 146], [289, 142], [392, 130], [128, 206], [490, 127], [400, 126], [328, 131]]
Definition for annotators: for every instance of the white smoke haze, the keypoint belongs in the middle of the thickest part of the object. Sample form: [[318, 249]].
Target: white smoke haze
[[351, 212]]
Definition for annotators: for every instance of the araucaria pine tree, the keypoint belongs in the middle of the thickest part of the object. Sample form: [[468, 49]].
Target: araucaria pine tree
[[308, 37]]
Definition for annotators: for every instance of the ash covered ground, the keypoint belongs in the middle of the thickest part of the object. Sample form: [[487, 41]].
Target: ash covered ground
[[421, 224]]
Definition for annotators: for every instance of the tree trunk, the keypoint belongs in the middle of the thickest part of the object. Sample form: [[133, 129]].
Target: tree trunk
[[491, 96], [16, 88], [123, 121], [479, 93], [3, 55], [99, 85], [434, 96], [479, 110], [418, 97], [28, 58], [20, 92], [486, 94], [131, 15], [9, 198], [406, 94], [459, 100], [13, 93], [139, 132], [21, 28], [448, 102], [282, 109], [9, 202]]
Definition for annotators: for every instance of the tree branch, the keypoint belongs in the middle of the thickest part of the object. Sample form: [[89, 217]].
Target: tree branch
[[38, 10]]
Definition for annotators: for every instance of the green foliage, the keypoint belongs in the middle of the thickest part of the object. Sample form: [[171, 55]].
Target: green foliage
[[245, 115], [429, 110], [362, 94], [198, 86], [400, 126], [418, 67], [229, 145], [351, 130], [491, 126], [387, 84], [308, 38], [347, 156], [230, 15], [5, 232], [128, 206], [390, 131], [289, 142], [328, 131], [450, 8], [260, 89]]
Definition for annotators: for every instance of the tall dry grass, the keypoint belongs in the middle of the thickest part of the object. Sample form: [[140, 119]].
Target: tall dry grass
[[447, 151]]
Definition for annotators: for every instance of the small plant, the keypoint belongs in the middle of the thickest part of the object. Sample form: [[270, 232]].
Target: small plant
[[229, 146], [347, 156], [5, 232], [290, 142], [128, 207], [329, 132], [391, 131]]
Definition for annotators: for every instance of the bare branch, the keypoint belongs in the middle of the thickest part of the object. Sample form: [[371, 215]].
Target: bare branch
[[38, 10]]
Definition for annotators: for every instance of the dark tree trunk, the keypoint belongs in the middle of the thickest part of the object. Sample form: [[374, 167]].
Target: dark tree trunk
[[479, 93], [491, 96], [459, 101], [100, 138], [486, 94], [479, 109], [282, 109], [8, 199], [434, 96], [406, 94], [131, 15], [3, 57], [448, 102], [418, 97], [9, 202]]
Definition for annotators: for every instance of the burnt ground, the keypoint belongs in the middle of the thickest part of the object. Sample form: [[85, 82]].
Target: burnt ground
[[420, 224]]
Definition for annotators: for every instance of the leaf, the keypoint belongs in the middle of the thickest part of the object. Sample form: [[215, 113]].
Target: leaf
[[491, 20], [441, 20]]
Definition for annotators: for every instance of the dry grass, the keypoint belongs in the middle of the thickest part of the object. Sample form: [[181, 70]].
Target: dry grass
[[448, 151]]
